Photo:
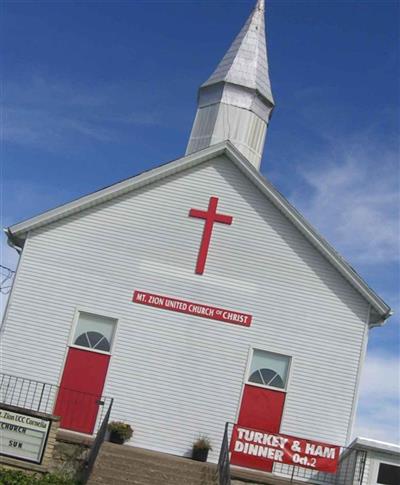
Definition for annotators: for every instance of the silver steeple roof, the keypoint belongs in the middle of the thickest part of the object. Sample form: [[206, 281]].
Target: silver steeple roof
[[246, 62], [236, 102]]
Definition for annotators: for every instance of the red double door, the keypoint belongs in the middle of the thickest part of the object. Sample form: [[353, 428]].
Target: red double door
[[261, 409], [81, 389]]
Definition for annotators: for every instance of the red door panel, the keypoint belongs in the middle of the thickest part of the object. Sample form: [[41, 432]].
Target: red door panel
[[80, 389], [261, 409]]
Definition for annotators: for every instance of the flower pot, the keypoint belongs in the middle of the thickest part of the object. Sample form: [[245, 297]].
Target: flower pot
[[116, 438], [200, 454]]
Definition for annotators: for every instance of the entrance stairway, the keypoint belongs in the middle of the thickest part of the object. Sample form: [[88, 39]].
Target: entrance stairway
[[126, 465]]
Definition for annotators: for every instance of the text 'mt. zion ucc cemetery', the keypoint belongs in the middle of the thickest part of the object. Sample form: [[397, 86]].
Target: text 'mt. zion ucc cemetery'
[[194, 294]]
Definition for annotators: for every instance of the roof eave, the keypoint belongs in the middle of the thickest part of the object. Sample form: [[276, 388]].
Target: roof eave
[[19, 231], [375, 445], [322, 245], [13, 241]]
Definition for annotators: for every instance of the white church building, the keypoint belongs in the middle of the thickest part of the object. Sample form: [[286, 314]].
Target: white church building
[[194, 294]]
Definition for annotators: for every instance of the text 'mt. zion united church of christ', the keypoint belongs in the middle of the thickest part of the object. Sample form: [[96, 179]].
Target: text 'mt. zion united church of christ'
[[195, 294]]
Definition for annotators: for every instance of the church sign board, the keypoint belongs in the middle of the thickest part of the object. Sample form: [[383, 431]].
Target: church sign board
[[23, 436], [191, 308], [257, 449]]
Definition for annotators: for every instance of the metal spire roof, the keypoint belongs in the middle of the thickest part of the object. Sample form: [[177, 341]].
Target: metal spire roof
[[246, 62]]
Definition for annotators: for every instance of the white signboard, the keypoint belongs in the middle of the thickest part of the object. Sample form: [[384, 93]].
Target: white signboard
[[22, 436]]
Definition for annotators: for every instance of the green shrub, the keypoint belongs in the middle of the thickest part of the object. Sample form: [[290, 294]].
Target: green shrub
[[14, 477], [123, 430], [11, 477], [56, 479], [202, 443]]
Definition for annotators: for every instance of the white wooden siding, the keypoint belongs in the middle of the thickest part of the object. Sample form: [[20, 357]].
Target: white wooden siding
[[174, 376], [374, 458]]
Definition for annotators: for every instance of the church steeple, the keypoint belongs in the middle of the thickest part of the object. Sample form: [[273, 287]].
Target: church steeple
[[236, 102]]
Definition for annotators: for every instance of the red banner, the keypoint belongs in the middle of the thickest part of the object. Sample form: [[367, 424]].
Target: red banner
[[190, 308], [256, 449]]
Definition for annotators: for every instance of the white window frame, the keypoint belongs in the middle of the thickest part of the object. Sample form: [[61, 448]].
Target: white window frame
[[263, 386], [79, 310], [376, 465]]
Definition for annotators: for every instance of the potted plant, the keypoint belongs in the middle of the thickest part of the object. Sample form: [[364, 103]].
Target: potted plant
[[200, 449], [119, 432]]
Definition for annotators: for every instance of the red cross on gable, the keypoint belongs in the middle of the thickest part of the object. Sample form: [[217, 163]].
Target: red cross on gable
[[210, 217]]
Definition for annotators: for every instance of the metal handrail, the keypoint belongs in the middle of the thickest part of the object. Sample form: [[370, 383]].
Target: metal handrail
[[223, 468], [42, 397], [350, 468], [96, 445], [27, 393]]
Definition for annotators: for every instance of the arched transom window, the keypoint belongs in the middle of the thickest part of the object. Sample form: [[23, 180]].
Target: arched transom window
[[94, 332], [269, 369]]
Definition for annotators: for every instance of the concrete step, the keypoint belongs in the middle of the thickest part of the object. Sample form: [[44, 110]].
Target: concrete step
[[153, 475], [127, 465], [130, 451], [134, 463], [151, 479], [139, 454]]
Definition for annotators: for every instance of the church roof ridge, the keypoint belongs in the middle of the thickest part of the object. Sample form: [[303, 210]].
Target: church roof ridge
[[17, 233], [246, 62]]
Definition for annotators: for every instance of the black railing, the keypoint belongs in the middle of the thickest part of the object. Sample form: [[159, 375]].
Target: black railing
[[96, 445], [350, 469], [224, 472], [27, 393], [79, 411]]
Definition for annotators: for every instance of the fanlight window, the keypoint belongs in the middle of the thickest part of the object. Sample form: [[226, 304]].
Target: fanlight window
[[94, 332], [269, 369], [93, 340], [267, 377]]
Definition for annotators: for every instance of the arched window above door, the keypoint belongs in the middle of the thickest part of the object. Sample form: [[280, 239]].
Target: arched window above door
[[269, 369], [93, 340], [94, 332]]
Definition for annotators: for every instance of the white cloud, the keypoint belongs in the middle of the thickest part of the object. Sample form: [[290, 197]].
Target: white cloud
[[49, 115], [353, 199], [49, 130], [378, 414], [350, 193]]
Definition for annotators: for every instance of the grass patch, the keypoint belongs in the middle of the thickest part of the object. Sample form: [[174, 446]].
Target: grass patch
[[15, 477]]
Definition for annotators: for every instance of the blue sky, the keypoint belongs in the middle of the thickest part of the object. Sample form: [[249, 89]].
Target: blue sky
[[98, 91]]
